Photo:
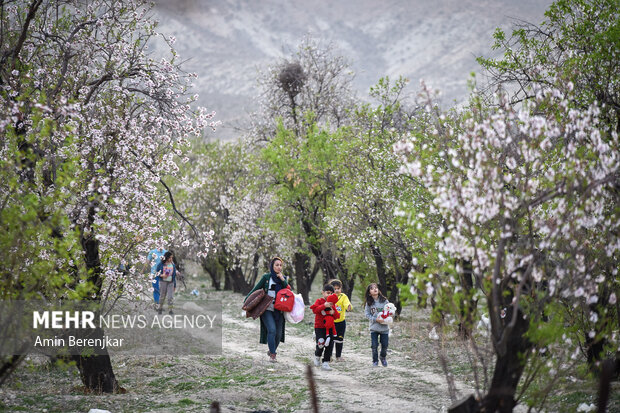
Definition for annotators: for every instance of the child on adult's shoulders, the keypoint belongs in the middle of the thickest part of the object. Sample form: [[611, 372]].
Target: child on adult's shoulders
[[323, 310]]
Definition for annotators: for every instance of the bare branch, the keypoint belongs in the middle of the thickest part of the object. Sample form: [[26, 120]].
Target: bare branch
[[34, 7]]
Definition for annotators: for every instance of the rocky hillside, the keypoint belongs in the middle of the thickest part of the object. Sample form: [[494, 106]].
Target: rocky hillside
[[436, 40]]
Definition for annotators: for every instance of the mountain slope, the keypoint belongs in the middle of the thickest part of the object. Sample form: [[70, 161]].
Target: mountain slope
[[226, 41]]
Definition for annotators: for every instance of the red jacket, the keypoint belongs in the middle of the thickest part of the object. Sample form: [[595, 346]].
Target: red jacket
[[317, 307]]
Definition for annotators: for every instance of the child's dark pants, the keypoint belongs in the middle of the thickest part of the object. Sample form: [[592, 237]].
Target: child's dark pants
[[341, 327], [327, 350]]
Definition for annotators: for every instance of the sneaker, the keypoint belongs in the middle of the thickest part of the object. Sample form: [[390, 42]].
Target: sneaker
[[325, 366], [338, 359], [375, 364], [384, 362], [317, 361], [170, 312], [272, 358], [159, 311]]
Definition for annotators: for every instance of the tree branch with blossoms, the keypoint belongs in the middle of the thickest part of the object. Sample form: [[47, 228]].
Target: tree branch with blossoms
[[529, 192]]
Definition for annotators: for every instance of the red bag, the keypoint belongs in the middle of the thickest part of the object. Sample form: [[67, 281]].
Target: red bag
[[285, 300]]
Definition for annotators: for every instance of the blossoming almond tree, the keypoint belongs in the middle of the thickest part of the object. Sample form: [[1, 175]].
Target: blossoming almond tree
[[527, 196], [578, 40], [369, 189], [89, 115], [222, 193]]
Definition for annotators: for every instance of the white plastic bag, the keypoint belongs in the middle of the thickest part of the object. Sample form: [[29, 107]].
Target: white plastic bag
[[297, 313]]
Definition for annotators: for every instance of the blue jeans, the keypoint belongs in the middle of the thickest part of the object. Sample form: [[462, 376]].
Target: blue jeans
[[274, 329], [156, 290], [375, 337]]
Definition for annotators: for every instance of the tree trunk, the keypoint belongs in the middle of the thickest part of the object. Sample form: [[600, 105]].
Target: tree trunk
[[301, 263], [237, 280], [467, 404], [303, 276], [380, 264], [95, 371], [393, 291], [609, 370], [594, 352], [8, 366], [252, 280], [348, 280], [227, 280], [507, 373], [330, 269], [595, 347], [348, 284], [210, 267], [508, 368], [467, 307], [223, 261], [322, 254]]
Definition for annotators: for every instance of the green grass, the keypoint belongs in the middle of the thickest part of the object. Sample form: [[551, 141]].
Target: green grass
[[569, 399], [33, 400], [160, 382], [299, 395], [303, 358], [186, 402], [187, 385], [229, 379]]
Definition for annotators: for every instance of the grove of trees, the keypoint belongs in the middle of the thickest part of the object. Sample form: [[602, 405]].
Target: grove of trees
[[90, 124], [505, 208]]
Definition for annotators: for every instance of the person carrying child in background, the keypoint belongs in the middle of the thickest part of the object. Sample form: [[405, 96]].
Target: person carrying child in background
[[320, 308], [379, 331], [342, 306], [167, 274], [153, 258]]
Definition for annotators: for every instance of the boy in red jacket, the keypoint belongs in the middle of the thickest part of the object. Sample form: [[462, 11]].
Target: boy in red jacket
[[328, 320], [320, 308]]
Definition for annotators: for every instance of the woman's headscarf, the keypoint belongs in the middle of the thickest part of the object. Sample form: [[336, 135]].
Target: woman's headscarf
[[278, 285]]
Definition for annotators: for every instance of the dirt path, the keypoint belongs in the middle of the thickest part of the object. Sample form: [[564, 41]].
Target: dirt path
[[242, 379], [353, 384]]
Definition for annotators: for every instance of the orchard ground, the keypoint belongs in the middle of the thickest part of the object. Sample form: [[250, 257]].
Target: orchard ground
[[242, 379]]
